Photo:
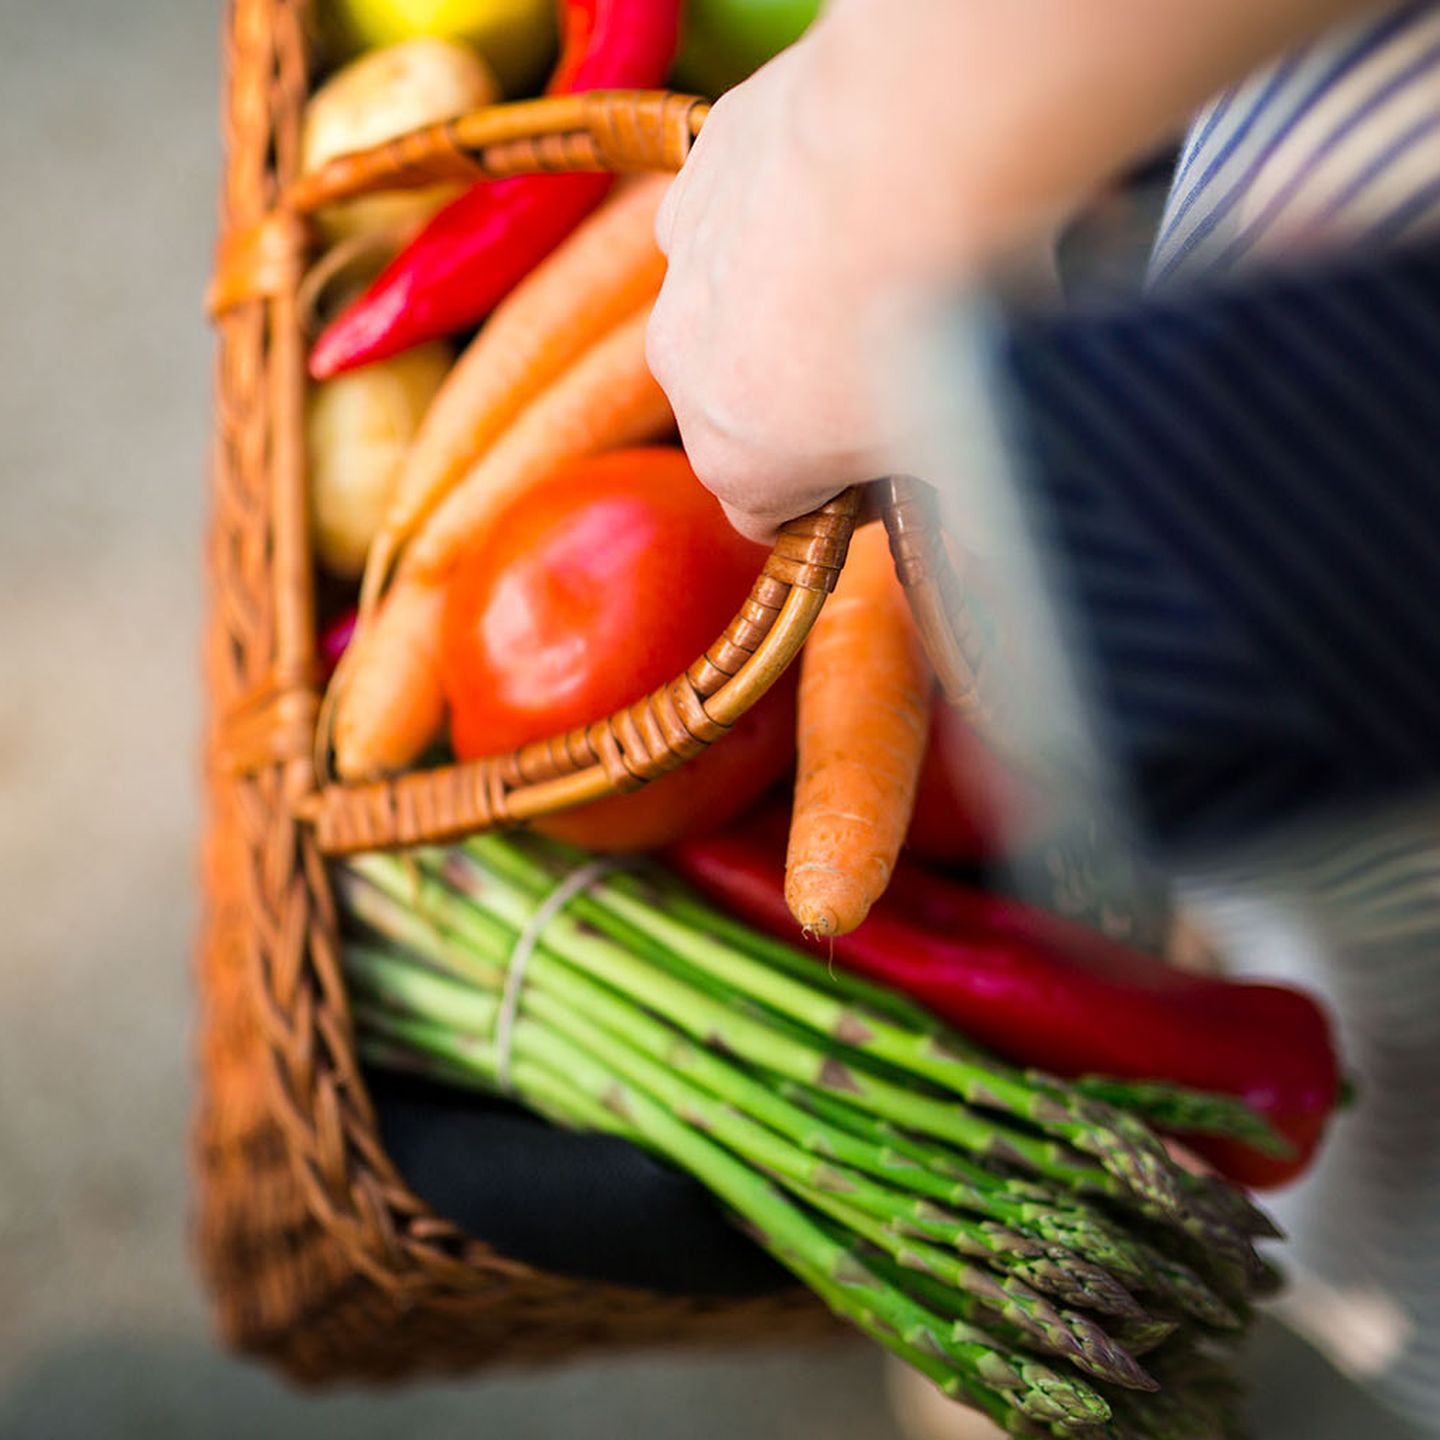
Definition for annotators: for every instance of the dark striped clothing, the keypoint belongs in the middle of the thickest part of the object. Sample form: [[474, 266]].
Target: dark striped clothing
[[1245, 522], [1236, 485]]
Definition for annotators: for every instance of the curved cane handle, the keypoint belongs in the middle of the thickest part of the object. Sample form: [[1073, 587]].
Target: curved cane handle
[[620, 131]]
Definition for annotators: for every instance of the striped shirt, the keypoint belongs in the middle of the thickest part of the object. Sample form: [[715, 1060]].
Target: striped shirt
[[1336, 146]]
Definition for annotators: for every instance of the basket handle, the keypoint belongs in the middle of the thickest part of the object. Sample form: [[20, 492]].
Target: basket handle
[[620, 131], [617, 131]]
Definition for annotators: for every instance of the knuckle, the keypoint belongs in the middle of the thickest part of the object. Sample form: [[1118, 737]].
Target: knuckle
[[715, 464], [660, 348]]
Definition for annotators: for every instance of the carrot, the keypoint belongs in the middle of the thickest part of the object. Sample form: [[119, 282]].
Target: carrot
[[606, 400], [863, 726], [389, 703], [387, 699], [602, 273]]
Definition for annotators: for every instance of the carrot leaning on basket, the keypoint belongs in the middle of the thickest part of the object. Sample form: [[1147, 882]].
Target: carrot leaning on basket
[[389, 691], [604, 272], [863, 727], [390, 705], [606, 400]]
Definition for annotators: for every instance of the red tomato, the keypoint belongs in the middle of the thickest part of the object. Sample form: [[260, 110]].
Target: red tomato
[[587, 592], [969, 805], [705, 793]]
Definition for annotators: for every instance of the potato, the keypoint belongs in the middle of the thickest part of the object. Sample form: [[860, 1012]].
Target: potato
[[357, 428], [374, 99]]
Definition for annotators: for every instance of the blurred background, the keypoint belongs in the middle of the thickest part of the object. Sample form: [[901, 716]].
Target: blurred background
[[109, 146]]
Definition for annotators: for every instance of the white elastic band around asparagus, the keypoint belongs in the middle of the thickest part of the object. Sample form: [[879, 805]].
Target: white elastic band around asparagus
[[575, 883]]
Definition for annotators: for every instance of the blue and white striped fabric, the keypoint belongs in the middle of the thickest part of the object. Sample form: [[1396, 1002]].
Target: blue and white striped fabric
[[1336, 146], [1237, 482]]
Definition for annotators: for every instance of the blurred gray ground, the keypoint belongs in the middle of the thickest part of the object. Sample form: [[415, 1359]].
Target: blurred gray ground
[[108, 150]]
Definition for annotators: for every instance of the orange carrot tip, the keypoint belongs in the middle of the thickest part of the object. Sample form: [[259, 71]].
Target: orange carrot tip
[[864, 722]]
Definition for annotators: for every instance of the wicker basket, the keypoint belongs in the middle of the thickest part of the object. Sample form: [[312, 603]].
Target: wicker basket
[[318, 1254]]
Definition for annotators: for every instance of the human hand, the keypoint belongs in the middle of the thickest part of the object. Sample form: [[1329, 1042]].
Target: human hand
[[766, 331], [894, 147]]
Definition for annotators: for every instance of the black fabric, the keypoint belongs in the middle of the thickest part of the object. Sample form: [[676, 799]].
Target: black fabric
[[591, 1206]]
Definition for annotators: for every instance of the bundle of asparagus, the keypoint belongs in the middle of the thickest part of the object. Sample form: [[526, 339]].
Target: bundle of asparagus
[[1023, 1243]]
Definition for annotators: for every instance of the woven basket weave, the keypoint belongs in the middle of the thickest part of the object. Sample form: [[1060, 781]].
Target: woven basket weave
[[316, 1251]]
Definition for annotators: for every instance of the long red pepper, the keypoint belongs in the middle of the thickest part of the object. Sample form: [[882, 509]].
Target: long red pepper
[[1046, 992], [475, 250]]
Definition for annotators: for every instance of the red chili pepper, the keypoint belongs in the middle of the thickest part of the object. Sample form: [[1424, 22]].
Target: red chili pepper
[[475, 250], [1045, 992]]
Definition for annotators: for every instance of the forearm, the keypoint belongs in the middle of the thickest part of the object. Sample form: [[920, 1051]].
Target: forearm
[[977, 124]]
